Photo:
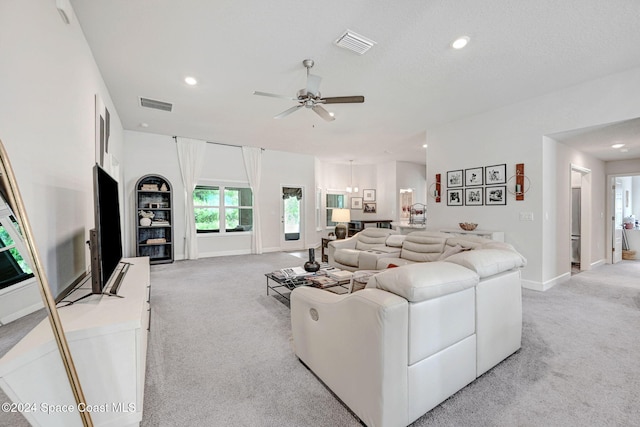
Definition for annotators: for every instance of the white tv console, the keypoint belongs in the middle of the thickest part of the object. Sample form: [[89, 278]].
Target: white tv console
[[107, 336]]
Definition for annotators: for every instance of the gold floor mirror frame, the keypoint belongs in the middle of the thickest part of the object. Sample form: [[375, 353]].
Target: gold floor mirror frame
[[9, 188]]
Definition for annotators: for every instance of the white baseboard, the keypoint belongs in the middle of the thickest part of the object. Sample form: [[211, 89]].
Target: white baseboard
[[543, 286], [599, 263], [224, 253]]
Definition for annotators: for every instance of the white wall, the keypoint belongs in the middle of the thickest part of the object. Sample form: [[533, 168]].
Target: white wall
[[147, 153], [386, 178], [516, 134], [48, 80]]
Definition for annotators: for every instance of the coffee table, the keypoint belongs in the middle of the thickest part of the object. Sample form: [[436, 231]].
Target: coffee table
[[278, 283]]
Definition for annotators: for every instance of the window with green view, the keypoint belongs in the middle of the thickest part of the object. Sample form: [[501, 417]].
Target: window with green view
[[334, 201], [13, 268], [219, 208]]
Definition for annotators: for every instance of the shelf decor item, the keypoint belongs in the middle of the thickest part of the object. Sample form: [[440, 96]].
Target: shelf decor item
[[312, 265], [468, 226]]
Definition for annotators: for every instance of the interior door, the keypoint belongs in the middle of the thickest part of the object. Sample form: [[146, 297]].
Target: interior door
[[292, 237], [616, 254]]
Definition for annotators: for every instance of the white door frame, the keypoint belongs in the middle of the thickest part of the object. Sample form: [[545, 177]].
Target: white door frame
[[585, 215], [614, 235], [293, 245]]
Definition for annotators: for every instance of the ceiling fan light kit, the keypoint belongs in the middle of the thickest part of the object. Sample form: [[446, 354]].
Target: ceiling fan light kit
[[310, 97]]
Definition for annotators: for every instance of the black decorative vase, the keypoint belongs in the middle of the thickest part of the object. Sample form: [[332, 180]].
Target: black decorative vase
[[312, 265]]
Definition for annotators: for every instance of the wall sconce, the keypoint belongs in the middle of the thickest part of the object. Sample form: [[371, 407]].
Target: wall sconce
[[519, 183], [435, 189]]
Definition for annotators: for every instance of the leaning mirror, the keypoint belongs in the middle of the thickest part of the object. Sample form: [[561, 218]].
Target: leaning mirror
[[35, 389]]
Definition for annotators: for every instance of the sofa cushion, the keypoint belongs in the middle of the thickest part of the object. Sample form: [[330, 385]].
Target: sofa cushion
[[395, 240], [370, 237], [423, 246], [450, 251], [467, 242], [388, 262], [347, 257], [487, 262], [425, 281]]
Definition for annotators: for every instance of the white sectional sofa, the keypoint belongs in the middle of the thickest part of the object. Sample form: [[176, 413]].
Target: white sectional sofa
[[415, 335], [362, 250]]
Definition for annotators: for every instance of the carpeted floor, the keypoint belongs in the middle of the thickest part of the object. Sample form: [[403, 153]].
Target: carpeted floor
[[220, 354]]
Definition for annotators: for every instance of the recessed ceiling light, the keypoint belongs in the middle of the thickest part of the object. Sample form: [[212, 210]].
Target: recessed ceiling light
[[617, 146], [424, 145], [191, 81], [144, 125], [460, 42], [331, 113]]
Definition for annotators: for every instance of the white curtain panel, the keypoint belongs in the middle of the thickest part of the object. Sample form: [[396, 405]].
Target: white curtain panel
[[190, 157], [253, 165]]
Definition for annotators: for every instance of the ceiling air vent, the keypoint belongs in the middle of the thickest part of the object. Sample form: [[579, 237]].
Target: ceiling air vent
[[354, 42], [158, 105]]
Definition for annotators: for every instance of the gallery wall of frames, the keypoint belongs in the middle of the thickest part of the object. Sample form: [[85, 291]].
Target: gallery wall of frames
[[481, 186]]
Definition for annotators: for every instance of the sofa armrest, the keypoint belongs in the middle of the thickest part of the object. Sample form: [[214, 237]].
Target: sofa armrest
[[349, 243], [357, 345]]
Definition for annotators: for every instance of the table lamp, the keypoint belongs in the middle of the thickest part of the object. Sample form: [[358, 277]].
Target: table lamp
[[341, 216]]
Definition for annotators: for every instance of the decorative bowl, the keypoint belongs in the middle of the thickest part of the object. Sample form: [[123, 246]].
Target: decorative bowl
[[468, 226]]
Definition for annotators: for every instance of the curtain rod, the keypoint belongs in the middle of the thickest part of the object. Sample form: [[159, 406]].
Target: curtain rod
[[175, 138]]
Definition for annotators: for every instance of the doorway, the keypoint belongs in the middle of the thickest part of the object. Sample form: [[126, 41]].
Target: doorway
[[623, 234], [291, 235], [580, 207]]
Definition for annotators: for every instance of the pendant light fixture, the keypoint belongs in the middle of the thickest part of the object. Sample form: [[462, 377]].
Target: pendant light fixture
[[351, 188]]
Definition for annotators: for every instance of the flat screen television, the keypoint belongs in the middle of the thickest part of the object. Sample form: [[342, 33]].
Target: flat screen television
[[106, 241]]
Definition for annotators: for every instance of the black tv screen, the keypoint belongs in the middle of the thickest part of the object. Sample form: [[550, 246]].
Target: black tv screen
[[107, 224]]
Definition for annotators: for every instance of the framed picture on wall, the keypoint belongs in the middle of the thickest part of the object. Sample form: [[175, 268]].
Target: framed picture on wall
[[496, 174], [369, 195], [102, 132], [369, 207], [473, 196], [356, 203], [473, 177], [454, 197], [495, 195], [454, 179]]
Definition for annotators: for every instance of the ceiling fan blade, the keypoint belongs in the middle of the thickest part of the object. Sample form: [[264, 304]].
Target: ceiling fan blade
[[313, 84], [287, 112], [273, 95], [342, 100], [323, 113]]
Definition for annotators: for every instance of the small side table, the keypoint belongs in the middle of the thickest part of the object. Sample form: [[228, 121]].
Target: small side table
[[325, 246]]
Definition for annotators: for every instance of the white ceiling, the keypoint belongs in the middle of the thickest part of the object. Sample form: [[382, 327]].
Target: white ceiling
[[411, 79]]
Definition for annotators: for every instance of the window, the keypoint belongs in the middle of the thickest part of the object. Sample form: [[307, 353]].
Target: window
[[229, 209], [13, 268], [334, 201]]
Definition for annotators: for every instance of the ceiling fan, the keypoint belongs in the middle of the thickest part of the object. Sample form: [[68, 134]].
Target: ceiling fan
[[310, 97]]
